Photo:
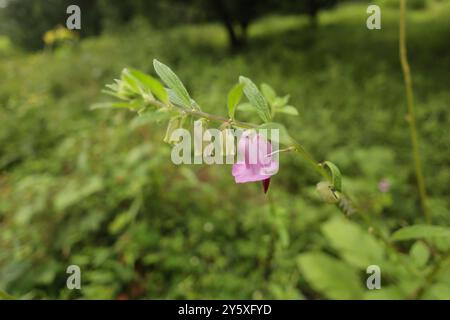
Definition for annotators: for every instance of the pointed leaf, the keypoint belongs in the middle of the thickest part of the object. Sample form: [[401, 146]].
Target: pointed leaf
[[256, 98], [336, 178], [151, 84], [280, 102], [246, 107], [268, 93], [291, 110], [173, 82], [175, 99], [234, 97], [419, 231], [130, 82]]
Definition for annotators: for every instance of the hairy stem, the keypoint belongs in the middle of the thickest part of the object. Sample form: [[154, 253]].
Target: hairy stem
[[411, 113]]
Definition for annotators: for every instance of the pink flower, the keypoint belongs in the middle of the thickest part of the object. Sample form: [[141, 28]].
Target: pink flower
[[255, 160], [384, 185]]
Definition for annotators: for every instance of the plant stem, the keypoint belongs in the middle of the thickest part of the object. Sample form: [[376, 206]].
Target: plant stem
[[411, 113], [271, 249], [201, 114], [315, 164]]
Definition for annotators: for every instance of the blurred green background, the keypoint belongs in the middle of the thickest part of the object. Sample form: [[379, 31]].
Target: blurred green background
[[97, 188]]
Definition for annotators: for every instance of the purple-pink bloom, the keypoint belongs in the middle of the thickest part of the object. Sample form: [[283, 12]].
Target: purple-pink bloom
[[384, 185], [255, 160]]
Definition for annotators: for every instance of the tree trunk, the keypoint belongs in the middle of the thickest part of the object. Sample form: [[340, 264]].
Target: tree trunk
[[312, 7], [225, 17], [244, 28]]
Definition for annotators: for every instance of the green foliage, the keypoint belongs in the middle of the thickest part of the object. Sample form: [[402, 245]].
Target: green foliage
[[277, 104], [153, 85], [234, 97], [355, 245], [96, 188], [421, 232], [420, 254], [174, 83], [336, 178], [256, 99], [329, 276]]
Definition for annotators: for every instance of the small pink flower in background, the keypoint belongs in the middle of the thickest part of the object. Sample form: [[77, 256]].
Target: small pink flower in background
[[384, 185], [255, 160]]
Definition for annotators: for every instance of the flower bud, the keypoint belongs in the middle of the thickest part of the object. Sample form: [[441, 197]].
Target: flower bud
[[326, 193], [174, 124]]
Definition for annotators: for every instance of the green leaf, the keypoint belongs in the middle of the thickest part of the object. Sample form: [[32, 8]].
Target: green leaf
[[173, 82], [255, 97], [175, 99], [114, 87], [332, 278], [354, 244], [280, 102], [336, 178], [130, 82], [268, 92], [283, 135], [291, 110], [151, 84], [419, 253], [6, 296], [234, 97], [115, 94], [421, 232], [246, 107]]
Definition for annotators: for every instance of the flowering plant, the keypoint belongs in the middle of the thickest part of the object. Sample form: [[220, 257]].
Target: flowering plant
[[257, 160], [143, 93]]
